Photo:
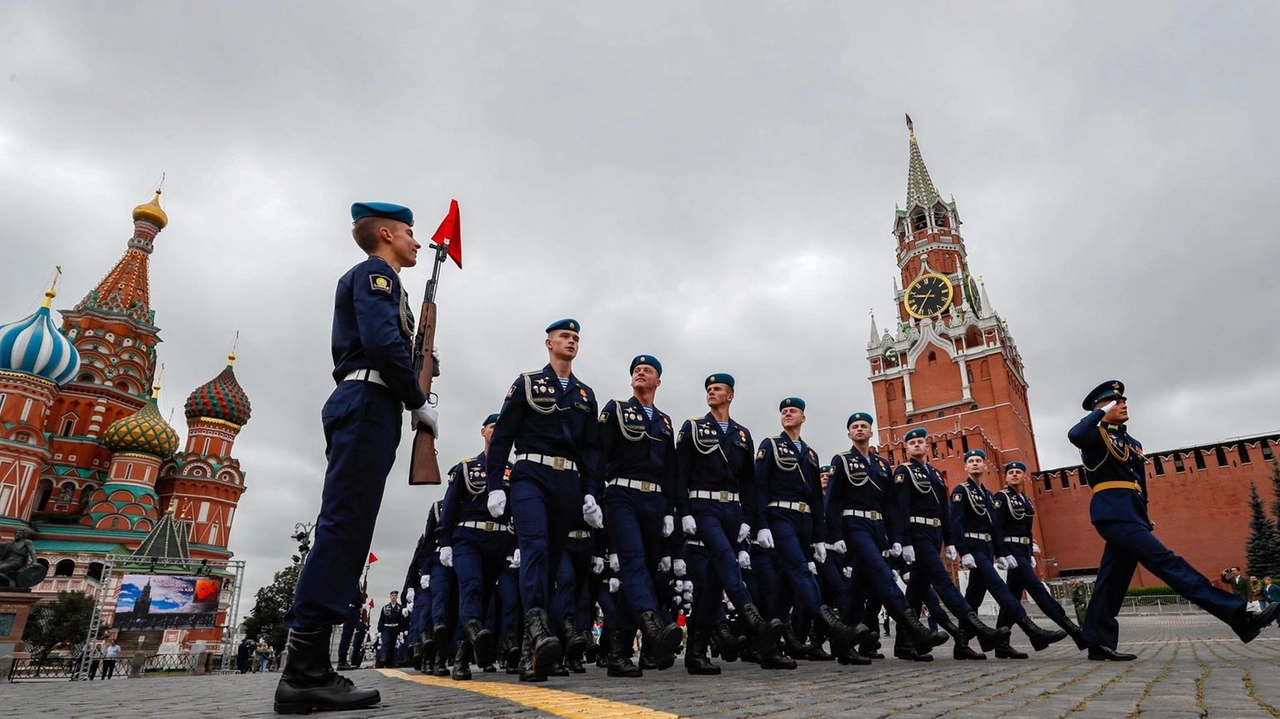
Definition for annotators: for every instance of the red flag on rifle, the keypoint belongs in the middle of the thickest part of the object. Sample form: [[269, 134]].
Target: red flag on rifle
[[451, 229], [372, 557]]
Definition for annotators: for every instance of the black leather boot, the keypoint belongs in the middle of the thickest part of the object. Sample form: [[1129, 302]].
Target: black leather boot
[[571, 638], [1008, 652], [482, 643], [908, 651], [461, 661], [986, 635], [758, 628], [918, 633], [870, 646], [696, 661], [831, 621], [816, 642], [620, 664], [662, 642], [796, 649], [1075, 632], [1040, 637], [547, 649], [962, 651], [309, 683], [527, 674], [727, 644], [442, 660]]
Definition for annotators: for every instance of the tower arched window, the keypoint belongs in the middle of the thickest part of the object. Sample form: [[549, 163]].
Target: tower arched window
[[68, 425], [65, 568], [984, 370], [939, 217], [919, 221], [932, 357]]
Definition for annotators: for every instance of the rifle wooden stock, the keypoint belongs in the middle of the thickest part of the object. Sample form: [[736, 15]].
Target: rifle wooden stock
[[424, 466]]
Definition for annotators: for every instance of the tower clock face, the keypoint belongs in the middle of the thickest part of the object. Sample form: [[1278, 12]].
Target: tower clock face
[[928, 296]]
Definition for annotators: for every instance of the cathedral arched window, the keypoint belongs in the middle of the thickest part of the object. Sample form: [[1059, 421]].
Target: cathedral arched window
[[66, 493], [65, 568], [46, 491], [95, 571], [68, 425]]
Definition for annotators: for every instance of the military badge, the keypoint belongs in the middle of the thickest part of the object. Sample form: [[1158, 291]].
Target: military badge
[[380, 283]]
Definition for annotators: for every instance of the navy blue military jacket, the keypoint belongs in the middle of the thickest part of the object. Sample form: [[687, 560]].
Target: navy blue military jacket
[[431, 550], [922, 493], [1109, 454], [392, 618], [1014, 514], [413, 576], [538, 417], [864, 483], [373, 329], [787, 474], [632, 446], [973, 511], [467, 498], [710, 459]]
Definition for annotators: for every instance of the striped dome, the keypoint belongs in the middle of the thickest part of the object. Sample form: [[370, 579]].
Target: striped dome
[[34, 346], [220, 398], [144, 431]]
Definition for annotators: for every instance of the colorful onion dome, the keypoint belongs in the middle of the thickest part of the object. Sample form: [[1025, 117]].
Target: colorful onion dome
[[144, 431], [34, 346], [151, 212], [220, 398]]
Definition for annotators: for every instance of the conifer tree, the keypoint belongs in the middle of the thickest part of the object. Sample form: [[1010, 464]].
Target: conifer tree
[[1262, 550]]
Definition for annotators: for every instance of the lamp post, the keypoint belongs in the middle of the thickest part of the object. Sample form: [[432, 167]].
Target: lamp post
[[302, 535]]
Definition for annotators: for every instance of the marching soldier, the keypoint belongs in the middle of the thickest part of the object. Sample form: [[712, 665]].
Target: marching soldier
[[373, 368], [977, 533], [443, 582], [550, 417], [391, 624], [1114, 467]]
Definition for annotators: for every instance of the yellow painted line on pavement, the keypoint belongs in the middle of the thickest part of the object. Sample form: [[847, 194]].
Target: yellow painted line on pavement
[[554, 701]]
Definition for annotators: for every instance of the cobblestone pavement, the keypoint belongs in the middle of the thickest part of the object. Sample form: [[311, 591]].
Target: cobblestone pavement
[[1188, 666]]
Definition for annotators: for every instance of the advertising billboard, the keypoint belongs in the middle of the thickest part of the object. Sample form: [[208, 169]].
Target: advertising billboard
[[167, 601]]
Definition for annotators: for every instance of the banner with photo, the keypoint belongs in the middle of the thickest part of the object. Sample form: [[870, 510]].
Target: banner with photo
[[167, 601]]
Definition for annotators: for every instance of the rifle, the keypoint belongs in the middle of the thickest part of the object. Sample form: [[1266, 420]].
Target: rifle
[[424, 466]]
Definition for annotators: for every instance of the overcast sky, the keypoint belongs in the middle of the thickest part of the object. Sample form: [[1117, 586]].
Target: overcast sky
[[713, 183]]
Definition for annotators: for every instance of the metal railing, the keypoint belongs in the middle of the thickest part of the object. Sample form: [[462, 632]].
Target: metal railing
[[59, 668]]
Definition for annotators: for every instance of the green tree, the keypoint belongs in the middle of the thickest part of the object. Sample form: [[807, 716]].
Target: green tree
[[1275, 493], [1262, 550], [266, 619], [64, 620]]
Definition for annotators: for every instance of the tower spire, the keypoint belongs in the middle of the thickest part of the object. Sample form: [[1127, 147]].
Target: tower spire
[[875, 334], [920, 189]]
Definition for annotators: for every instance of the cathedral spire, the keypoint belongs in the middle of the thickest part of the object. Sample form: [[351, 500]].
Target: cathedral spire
[[126, 289], [920, 189]]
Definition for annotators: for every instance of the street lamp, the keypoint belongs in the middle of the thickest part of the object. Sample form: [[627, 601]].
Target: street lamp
[[302, 535]]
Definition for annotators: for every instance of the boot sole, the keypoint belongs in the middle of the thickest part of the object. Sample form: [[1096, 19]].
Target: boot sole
[[547, 654], [308, 707]]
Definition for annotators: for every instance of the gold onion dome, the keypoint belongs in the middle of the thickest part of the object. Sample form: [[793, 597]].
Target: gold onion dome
[[144, 431], [220, 398], [151, 212]]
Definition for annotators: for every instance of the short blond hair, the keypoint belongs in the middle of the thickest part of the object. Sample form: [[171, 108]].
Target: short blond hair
[[365, 232]]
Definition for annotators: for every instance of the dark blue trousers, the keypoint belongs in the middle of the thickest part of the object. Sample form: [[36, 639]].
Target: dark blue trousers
[[870, 570], [928, 571], [1024, 578], [420, 615], [509, 611], [348, 631], [574, 595], [478, 558], [984, 578], [718, 524], [362, 430], [546, 504], [444, 596], [772, 596], [1130, 543], [793, 540], [634, 521], [387, 647]]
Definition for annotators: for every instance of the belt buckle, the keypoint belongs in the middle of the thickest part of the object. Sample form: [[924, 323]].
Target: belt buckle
[[724, 496], [644, 486], [488, 526], [803, 507], [557, 462]]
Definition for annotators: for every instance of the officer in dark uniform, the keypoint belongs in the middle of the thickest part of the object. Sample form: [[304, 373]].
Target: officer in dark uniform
[[349, 626], [509, 602], [444, 594], [1115, 468], [573, 601], [372, 335], [791, 521], [715, 498], [979, 540], [476, 544], [551, 418], [861, 502], [391, 624], [420, 604], [1015, 515], [638, 459], [922, 500]]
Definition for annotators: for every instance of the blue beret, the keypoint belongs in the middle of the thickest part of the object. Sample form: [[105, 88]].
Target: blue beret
[[791, 402], [490, 419], [859, 417], [719, 379], [565, 324], [649, 360], [361, 210], [825, 468], [1015, 465], [975, 453], [1109, 390], [917, 432]]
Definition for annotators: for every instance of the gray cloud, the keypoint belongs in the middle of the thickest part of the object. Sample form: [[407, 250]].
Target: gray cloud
[[710, 183]]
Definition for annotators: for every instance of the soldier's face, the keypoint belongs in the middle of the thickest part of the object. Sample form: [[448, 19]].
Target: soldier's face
[[645, 377], [487, 431], [1119, 414], [860, 431], [792, 418], [916, 446], [975, 466], [719, 395], [403, 246], [826, 477], [563, 344], [1014, 477]]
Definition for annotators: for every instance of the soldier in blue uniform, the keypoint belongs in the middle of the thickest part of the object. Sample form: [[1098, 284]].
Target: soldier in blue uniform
[[373, 368], [922, 501], [861, 502], [715, 499], [391, 624], [420, 609], [509, 600], [1114, 467], [349, 627], [550, 417], [638, 463], [476, 544], [791, 521], [444, 594], [981, 545], [1015, 515], [573, 602]]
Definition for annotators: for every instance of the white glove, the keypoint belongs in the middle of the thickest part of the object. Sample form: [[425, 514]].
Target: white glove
[[1001, 563], [1107, 407], [446, 556], [613, 562], [895, 550], [765, 539], [813, 568], [497, 503], [668, 525], [425, 581], [1013, 563], [951, 552], [515, 559], [689, 526], [840, 547], [664, 564], [614, 584], [743, 532], [688, 596], [820, 552], [1033, 562], [1035, 548], [408, 607], [408, 596], [847, 572], [909, 554], [679, 568], [744, 560], [597, 565], [591, 513], [427, 417], [968, 562]]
